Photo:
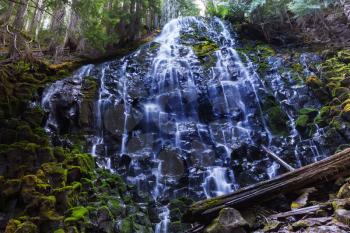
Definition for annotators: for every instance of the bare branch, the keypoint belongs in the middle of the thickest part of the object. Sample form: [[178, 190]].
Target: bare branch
[[35, 6]]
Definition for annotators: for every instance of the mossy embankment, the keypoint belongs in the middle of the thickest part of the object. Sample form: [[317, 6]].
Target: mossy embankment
[[53, 189]]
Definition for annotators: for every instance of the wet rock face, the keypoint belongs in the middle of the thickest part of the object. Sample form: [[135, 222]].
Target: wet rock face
[[70, 103], [171, 164], [187, 113]]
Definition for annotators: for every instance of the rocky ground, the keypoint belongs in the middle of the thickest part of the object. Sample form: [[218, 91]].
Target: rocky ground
[[326, 210]]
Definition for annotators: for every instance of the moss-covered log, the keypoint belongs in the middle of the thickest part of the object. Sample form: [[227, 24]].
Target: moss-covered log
[[326, 170]]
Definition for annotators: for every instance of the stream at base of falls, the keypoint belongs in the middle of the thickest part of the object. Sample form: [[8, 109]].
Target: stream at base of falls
[[185, 116]]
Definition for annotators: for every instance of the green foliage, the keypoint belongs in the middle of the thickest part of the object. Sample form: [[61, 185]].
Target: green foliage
[[94, 18], [106, 22], [301, 8], [227, 8], [77, 214], [266, 11], [256, 4], [188, 8]]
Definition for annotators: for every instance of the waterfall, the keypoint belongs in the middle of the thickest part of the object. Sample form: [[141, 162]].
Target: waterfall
[[183, 115]]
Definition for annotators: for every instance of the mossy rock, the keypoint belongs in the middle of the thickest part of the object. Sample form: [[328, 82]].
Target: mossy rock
[[277, 121], [311, 112], [346, 112], [59, 231], [343, 216], [302, 122], [297, 68], [177, 226], [314, 82], [206, 48], [126, 225], [68, 196], [34, 116], [272, 226], [344, 56], [12, 187], [56, 174], [344, 191], [60, 154], [116, 207], [341, 203], [20, 157], [45, 154], [326, 114], [85, 161], [89, 88], [15, 226], [228, 220], [340, 92], [77, 214], [265, 51]]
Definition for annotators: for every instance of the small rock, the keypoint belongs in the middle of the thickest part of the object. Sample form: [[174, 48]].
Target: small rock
[[229, 221], [172, 164], [343, 216], [272, 226], [344, 191], [302, 200], [311, 222], [346, 112], [341, 204]]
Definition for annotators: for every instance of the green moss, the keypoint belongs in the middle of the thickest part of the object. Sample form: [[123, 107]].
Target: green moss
[[12, 226], [89, 88], [18, 227], [309, 111], [346, 108], [344, 56], [297, 67], [34, 116], [56, 173], [265, 51], [175, 214], [60, 154], [207, 204], [127, 225], [204, 49], [314, 82], [11, 188], [77, 214], [59, 231], [115, 207], [302, 122], [277, 121]]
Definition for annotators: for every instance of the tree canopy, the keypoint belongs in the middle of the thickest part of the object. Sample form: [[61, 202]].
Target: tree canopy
[[75, 24]]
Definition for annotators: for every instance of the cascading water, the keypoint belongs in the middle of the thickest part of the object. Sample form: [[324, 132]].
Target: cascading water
[[184, 116], [71, 88]]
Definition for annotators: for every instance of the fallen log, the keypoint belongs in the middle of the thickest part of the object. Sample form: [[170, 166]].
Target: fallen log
[[278, 159], [301, 211], [328, 169]]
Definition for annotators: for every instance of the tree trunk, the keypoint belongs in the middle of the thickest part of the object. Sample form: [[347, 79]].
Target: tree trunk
[[346, 8], [122, 25], [17, 41], [5, 18], [36, 19], [57, 28], [71, 39], [328, 169]]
